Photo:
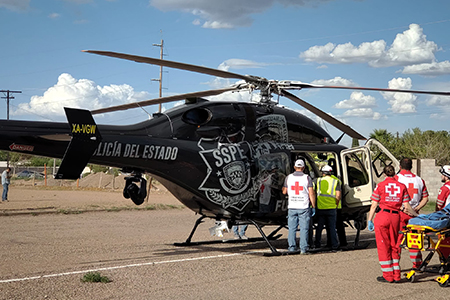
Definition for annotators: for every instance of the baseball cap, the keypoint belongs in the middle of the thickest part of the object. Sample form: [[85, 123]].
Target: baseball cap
[[327, 168], [299, 163]]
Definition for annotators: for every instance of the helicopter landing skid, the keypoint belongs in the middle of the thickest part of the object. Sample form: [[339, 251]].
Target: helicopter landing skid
[[272, 236]]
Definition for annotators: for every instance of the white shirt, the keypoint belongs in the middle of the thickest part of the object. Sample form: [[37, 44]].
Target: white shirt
[[415, 185], [298, 185]]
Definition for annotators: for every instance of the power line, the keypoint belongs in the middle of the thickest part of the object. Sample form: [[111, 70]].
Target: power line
[[8, 97]]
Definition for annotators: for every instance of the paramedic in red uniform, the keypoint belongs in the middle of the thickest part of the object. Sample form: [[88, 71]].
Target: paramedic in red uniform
[[418, 193], [390, 195], [443, 199]]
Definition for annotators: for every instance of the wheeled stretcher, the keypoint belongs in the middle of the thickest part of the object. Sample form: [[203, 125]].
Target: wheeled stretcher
[[434, 240]]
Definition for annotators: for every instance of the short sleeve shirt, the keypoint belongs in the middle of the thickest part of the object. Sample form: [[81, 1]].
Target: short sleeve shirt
[[391, 194], [443, 199], [415, 185], [298, 184]]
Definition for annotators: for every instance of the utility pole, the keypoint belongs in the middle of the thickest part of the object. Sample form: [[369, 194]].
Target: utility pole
[[160, 70], [8, 97]]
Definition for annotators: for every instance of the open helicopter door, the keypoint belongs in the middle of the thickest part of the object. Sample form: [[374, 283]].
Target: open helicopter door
[[357, 177], [381, 157], [363, 170]]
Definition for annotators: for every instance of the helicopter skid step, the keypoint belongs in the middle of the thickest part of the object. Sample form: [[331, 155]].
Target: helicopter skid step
[[231, 241]]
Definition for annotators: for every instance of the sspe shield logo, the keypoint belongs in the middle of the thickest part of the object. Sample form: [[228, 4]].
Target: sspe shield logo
[[228, 164], [236, 177]]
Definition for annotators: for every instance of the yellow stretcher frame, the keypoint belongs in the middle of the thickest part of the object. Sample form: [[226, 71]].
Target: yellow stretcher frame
[[415, 237]]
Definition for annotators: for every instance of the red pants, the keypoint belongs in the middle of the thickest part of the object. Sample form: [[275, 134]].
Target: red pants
[[387, 226], [445, 250], [414, 255]]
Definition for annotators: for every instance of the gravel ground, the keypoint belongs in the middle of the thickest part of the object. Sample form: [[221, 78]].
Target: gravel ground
[[45, 255]]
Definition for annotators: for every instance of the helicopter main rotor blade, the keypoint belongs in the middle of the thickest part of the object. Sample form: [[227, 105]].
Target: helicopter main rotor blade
[[173, 64], [301, 85], [164, 100], [333, 121]]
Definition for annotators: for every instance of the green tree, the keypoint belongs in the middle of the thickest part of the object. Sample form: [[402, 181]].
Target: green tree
[[416, 144], [427, 144]]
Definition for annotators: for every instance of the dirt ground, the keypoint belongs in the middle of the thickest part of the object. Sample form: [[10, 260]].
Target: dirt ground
[[25, 198], [44, 253]]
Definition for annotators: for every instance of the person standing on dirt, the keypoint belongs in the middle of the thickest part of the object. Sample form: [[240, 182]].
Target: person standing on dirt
[[391, 196], [417, 191], [299, 188], [6, 175], [328, 191]]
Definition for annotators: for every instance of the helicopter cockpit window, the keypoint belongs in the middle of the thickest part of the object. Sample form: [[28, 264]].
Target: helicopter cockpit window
[[357, 174], [197, 116], [316, 160]]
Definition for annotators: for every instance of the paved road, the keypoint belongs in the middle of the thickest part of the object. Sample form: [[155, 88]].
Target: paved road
[[45, 256]]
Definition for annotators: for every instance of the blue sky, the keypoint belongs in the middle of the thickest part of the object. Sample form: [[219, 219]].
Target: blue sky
[[372, 43]]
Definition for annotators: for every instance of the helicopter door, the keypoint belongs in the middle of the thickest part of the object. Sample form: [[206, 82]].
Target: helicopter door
[[357, 176], [381, 157]]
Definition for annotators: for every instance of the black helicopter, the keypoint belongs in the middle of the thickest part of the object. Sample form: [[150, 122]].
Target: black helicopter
[[216, 157]]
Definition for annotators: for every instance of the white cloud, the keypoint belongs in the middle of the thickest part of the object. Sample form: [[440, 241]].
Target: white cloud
[[218, 14], [78, 93], [357, 100], [242, 96], [442, 103], [366, 113], [429, 69], [54, 15], [15, 5], [339, 81], [233, 63], [409, 47], [344, 53], [236, 63], [401, 102], [439, 101]]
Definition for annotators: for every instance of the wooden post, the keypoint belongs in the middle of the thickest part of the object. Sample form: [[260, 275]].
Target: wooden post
[[100, 180], [45, 174], [149, 189]]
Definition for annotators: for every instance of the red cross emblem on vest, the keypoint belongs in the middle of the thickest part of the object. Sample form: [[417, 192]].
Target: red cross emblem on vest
[[411, 190], [392, 190], [297, 188]]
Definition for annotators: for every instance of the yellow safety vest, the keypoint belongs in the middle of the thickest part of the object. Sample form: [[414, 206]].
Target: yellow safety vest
[[326, 192]]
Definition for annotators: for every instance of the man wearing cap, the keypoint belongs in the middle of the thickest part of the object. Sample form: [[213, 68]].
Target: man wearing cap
[[299, 188], [443, 198], [328, 189]]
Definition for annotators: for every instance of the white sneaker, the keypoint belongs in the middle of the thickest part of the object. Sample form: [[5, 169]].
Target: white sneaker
[[244, 237], [237, 237]]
